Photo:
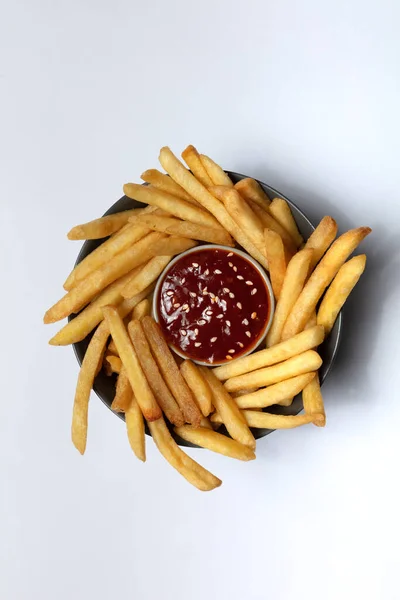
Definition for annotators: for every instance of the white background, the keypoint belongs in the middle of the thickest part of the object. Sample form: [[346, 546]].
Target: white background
[[302, 94]]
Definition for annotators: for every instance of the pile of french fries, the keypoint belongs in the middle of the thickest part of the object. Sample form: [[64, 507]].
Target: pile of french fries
[[112, 288]]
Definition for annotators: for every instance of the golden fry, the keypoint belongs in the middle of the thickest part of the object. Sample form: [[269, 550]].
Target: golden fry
[[138, 381], [313, 402], [135, 429], [269, 222], [295, 276], [306, 340], [275, 394], [187, 229], [199, 386], [141, 309], [321, 277], [297, 365], [216, 174], [123, 393], [193, 161], [339, 290], [312, 321], [145, 276], [172, 245], [320, 240], [275, 253], [90, 365], [186, 466], [166, 184], [280, 210], [265, 420], [164, 397], [102, 227], [216, 442], [250, 189], [114, 364], [170, 371]]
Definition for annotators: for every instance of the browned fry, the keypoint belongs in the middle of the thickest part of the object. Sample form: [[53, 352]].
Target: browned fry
[[313, 402], [229, 411], [339, 290], [102, 227], [95, 282], [170, 371], [184, 178], [171, 204], [153, 375], [142, 309], [140, 280], [166, 184], [321, 277], [186, 466], [199, 386], [193, 161], [295, 276], [280, 210], [275, 394], [320, 240], [90, 366], [250, 189], [135, 429], [269, 222], [275, 253], [112, 364], [138, 381], [187, 229], [216, 442], [216, 174], [123, 393]]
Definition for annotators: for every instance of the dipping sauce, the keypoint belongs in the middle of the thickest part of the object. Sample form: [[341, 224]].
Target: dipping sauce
[[213, 305]]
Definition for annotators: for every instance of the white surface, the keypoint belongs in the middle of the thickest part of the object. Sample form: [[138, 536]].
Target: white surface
[[304, 95]]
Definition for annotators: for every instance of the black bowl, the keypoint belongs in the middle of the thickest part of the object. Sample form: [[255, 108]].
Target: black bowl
[[104, 386]]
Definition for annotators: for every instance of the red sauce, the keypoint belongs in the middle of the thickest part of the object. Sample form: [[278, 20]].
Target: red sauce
[[213, 305]]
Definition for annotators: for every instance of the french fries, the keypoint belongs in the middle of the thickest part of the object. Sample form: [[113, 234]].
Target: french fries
[[102, 227], [141, 279], [123, 393], [297, 365], [171, 245], [138, 381], [170, 371], [207, 438], [268, 222], [277, 393], [166, 184], [295, 276], [280, 210], [339, 290], [229, 411], [153, 375], [114, 364], [320, 240], [275, 253], [135, 429], [250, 189], [171, 204], [300, 343], [195, 164], [321, 277], [172, 226], [90, 364], [187, 467], [214, 171], [313, 402], [198, 385], [142, 309]]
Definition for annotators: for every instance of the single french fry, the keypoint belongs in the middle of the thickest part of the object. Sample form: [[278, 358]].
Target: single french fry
[[149, 366], [102, 227], [171, 204], [172, 226], [276, 393], [135, 429], [313, 402], [112, 348], [170, 371], [303, 341], [90, 365], [269, 222], [166, 184], [123, 393], [229, 411], [297, 365], [312, 321], [193, 187], [321, 277], [250, 189], [95, 282], [199, 386], [186, 466], [275, 253], [193, 161], [216, 174], [147, 275], [114, 364], [339, 290], [264, 420], [320, 240], [141, 309], [172, 245], [123, 239], [138, 381], [295, 276], [205, 423], [216, 442], [280, 210]]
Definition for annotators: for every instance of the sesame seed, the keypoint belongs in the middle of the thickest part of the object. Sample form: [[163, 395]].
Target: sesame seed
[[239, 277], [195, 264], [226, 290], [212, 300], [230, 254], [177, 305], [187, 310], [239, 305], [228, 357], [183, 331], [183, 281], [213, 339], [217, 271], [192, 294], [240, 344], [231, 295], [232, 351], [205, 291], [249, 283], [197, 344], [248, 333], [230, 264], [202, 322], [216, 299], [196, 331], [253, 291], [209, 312], [228, 323], [245, 322], [185, 306], [254, 315], [235, 269], [211, 295], [170, 293], [220, 316], [206, 272]]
